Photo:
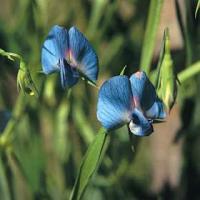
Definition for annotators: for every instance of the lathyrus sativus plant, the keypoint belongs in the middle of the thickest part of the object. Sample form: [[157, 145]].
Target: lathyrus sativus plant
[[121, 100], [69, 53], [27, 86], [24, 79]]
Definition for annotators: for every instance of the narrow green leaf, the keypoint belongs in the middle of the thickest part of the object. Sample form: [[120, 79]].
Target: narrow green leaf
[[166, 83], [150, 34], [160, 60], [89, 164], [197, 8], [123, 70], [188, 73]]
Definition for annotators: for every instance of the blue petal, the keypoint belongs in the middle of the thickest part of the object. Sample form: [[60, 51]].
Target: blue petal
[[144, 91], [115, 103], [156, 111], [82, 55], [68, 75], [54, 49], [139, 125]]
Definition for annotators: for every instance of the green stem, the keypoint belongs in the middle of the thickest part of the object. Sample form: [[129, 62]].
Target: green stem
[[9, 130], [189, 72], [10, 55]]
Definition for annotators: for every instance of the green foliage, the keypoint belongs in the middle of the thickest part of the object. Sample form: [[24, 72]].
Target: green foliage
[[24, 80], [189, 72], [89, 164], [167, 81], [150, 34], [42, 148], [197, 8], [123, 70]]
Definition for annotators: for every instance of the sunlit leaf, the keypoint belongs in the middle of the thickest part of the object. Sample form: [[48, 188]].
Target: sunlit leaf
[[189, 72], [123, 70], [166, 83], [197, 8]]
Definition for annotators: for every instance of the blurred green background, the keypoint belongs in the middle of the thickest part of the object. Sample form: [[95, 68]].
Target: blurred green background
[[51, 133]]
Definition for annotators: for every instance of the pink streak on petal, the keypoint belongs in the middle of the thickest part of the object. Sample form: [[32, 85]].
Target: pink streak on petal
[[136, 101], [70, 58], [139, 74]]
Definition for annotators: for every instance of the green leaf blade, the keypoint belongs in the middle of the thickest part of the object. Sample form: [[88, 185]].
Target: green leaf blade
[[150, 34], [197, 8], [166, 83], [189, 72], [89, 164], [123, 70]]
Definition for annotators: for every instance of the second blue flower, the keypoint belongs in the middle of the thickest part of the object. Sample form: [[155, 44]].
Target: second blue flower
[[69, 53]]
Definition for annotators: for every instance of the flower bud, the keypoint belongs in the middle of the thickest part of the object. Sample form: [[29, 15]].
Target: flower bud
[[25, 82]]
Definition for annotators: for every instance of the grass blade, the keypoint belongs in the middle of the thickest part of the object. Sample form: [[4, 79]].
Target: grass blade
[[89, 164], [189, 72], [197, 8], [150, 34]]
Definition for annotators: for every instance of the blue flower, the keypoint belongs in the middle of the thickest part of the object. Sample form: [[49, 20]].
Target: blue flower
[[69, 53], [129, 101]]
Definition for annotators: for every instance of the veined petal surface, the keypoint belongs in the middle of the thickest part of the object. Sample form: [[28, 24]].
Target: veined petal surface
[[115, 102], [68, 75], [144, 91], [82, 55], [54, 48], [156, 111]]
